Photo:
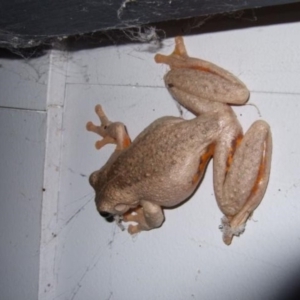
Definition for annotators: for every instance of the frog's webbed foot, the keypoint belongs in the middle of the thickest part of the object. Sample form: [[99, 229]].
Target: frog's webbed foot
[[112, 132], [147, 217], [178, 55], [229, 232], [134, 215]]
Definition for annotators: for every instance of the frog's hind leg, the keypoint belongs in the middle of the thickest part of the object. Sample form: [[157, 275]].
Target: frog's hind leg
[[112, 132], [179, 59], [246, 180]]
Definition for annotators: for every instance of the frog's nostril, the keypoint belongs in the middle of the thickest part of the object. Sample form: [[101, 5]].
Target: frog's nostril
[[105, 214]]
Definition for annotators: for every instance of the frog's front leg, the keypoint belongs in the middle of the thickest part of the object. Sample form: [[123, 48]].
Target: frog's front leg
[[245, 179], [112, 132], [147, 216]]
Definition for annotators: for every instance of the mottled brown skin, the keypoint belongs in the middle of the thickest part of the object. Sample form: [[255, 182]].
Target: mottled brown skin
[[163, 166]]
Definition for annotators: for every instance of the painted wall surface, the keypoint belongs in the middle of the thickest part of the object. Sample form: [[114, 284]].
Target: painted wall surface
[[22, 166], [22, 153], [185, 258], [24, 82]]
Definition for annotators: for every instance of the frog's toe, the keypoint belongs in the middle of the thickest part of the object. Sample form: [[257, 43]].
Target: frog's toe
[[230, 231], [133, 229], [90, 126], [133, 215], [128, 217]]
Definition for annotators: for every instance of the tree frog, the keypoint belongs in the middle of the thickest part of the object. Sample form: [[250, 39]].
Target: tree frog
[[164, 165]]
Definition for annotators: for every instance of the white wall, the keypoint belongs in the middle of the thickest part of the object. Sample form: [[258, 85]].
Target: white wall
[[23, 86], [83, 257]]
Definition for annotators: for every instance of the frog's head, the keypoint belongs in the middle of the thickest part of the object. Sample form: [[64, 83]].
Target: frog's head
[[110, 199]]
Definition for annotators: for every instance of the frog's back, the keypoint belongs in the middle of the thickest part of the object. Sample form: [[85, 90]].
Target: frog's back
[[151, 151], [162, 161]]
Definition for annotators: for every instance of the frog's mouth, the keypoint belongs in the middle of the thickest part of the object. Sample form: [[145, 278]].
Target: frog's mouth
[[107, 216], [113, 218], [114, 214]]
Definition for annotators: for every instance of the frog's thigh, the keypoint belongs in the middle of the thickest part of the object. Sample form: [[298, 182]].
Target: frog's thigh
[[248, 176], [151, 216]]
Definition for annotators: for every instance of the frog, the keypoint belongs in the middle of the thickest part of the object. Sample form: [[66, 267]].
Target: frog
[[165, 164]]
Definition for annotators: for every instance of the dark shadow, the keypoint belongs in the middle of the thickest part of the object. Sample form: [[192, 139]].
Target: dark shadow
[[265, 16], [24, 53], [290, 288]]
